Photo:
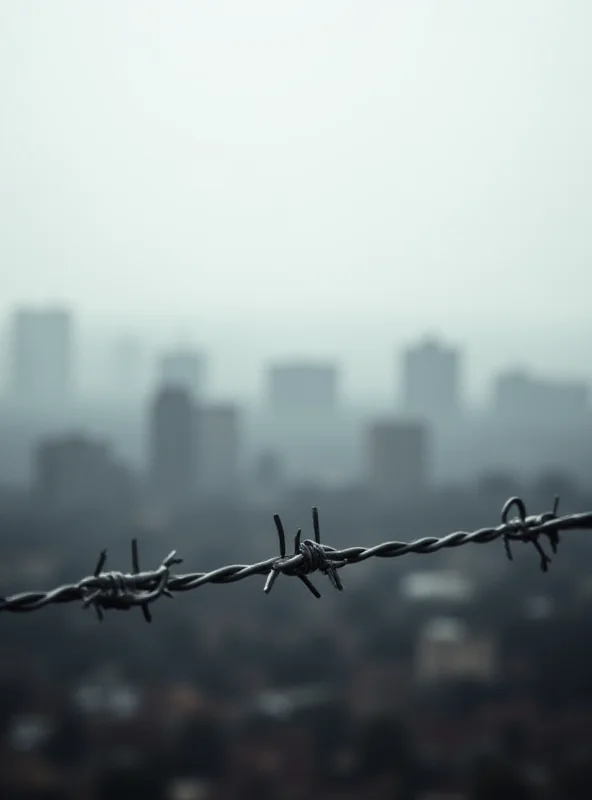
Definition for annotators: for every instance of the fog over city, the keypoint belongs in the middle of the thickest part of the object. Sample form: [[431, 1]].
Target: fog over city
[[262, 256], [333, 170]]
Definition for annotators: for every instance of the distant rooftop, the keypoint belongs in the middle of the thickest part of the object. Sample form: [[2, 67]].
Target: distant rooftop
[[442, 585]]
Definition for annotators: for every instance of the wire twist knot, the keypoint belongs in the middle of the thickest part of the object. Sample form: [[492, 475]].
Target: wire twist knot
[[308, 556], [122, 591], [528, 528]]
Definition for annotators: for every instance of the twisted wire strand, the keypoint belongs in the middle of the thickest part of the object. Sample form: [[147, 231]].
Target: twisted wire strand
[[122, 591]]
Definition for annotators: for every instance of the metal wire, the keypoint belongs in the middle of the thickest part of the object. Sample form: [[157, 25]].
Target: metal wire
[[122, 591]]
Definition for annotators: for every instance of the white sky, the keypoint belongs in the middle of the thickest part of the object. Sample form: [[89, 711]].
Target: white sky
[[321, 176]]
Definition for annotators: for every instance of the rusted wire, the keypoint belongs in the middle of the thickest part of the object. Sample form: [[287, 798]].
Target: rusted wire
[[122, 591]]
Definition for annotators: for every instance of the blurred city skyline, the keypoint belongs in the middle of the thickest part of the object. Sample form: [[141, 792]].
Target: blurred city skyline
[[157, 414], [239, 353]]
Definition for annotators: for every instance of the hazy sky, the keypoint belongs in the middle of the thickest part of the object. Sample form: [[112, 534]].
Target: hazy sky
[[319, 175]]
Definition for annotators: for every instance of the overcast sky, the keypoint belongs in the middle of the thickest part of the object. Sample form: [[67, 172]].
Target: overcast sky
[[341, 174]]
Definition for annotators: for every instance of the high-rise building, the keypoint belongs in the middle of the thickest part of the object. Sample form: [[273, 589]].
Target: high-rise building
[[78, 473], [303, 388], [397, 459], [431, 381], [521, 396], [218, 444], [183, 369], [41, 356], [172, 458]]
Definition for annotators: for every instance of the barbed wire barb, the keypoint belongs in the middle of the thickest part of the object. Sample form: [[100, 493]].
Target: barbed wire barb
[[309, 556], [122, 591], [526, 527]]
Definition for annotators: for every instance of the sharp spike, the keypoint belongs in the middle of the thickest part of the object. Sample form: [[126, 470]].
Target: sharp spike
[[100, 563], [281, 534], [135, 557], [315, 525]]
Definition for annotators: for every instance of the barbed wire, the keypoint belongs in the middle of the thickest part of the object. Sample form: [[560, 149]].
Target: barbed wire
[[122, 591]]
